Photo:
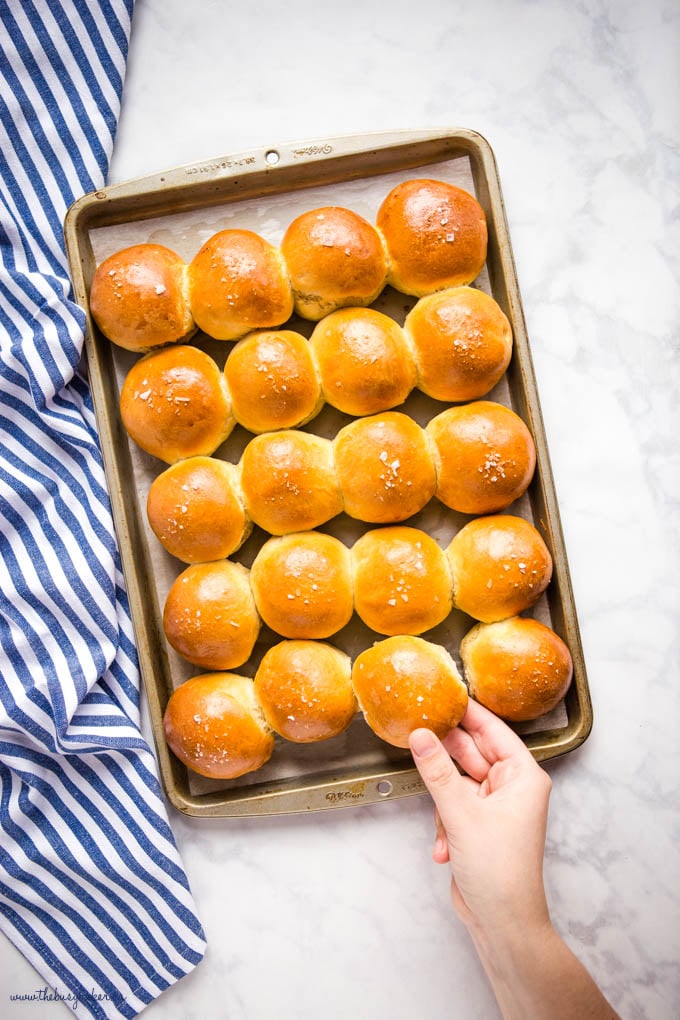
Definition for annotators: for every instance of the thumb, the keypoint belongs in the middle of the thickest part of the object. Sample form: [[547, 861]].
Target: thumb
[[437, 771]]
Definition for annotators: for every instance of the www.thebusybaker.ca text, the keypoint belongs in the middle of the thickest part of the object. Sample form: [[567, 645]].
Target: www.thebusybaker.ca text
[[47, 995]]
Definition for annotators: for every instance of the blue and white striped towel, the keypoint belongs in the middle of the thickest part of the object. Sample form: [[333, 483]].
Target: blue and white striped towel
[[92, 889]]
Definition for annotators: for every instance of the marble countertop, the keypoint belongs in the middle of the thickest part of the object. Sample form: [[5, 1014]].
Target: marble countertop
[[344, 913]]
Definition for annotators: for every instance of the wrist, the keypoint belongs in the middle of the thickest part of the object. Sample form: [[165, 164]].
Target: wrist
[[511, 952], [534, 974], [512, 942], [517, 910]]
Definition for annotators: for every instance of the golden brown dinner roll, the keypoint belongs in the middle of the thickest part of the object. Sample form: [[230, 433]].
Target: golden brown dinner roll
[[302, 584], [484, 455], [385, 468], [405, 682], [210, 617], [364, 361], [195, 509], [289, 482], [305, 690], [518, 668], [214, 725], [174, 403], [238, 282], [402, 583], [334, 258], [500, 566], [273, 381], [462, 341], [435, 235], [139, 298]]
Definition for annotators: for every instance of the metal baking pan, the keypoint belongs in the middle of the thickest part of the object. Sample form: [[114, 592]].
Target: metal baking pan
[[263, 190]]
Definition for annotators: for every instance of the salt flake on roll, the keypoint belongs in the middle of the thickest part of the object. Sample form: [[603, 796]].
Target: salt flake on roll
[[484, 455], [462, 341], [385, 468], [302, 584], [404, 683], [364, 361], [237, 283], [335, 258], [174, 403], [435, 235], [305, 690], [289, 481], [214, 725], [402, 583], [500, 567], [273, 381], [518, 668], [195, 509], [210, 617], [139, 298]]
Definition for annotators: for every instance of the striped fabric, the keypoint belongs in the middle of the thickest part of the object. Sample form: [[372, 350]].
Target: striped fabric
[[92, 889]]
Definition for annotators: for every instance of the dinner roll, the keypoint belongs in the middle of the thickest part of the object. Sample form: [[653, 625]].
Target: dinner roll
[[435, 235], [500, 566], [139, 298], [518, 668], [335, 258], [273, 381], [289, 481], [210, 617], [302, 584], [484, 455], [402, 583], [404, 683], [385, 468], [238, 282], [174, 403], [214, 725], [364, 361], [462, 341], [195, 509], [305, 690]]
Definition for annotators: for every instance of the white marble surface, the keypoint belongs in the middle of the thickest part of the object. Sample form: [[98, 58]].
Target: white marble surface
[[344, 914]]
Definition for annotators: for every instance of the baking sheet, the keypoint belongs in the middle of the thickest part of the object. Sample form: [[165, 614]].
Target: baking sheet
[[355, 766]]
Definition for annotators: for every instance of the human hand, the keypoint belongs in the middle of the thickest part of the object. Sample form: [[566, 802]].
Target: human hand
[[491, 822]]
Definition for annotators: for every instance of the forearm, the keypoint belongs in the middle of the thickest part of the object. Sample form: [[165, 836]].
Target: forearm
[[534, 974]]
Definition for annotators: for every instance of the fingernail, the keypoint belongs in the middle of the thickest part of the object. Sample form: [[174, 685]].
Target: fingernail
[[423, 743]]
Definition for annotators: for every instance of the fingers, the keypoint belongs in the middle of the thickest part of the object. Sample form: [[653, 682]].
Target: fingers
[[440, 853], [463, 749], [492, 737], [437, 771]]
